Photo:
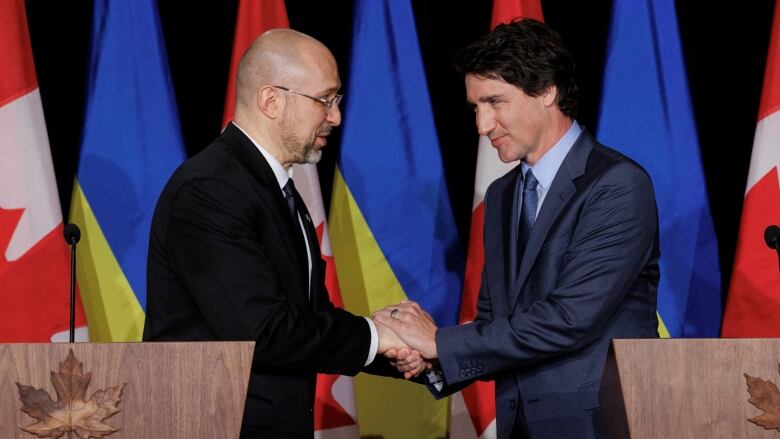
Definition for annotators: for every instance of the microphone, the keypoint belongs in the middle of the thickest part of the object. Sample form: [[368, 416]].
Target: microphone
[[72, 236], [772, 239]]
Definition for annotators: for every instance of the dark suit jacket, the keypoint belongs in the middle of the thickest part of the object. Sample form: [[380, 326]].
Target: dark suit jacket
[[589, 274], [227, 262]]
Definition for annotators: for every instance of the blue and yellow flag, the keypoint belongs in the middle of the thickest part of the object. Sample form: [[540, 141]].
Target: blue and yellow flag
[[646, 113], [131, 144], [392, 228]]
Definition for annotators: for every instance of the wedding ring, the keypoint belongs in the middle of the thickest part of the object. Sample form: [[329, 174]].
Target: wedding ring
[[393, 313]]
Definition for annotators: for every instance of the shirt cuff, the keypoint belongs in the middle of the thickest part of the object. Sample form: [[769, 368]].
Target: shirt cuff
[[435, 378], [374, 342]]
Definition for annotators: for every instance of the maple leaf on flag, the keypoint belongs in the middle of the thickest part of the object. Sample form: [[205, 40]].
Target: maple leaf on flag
[[765, 396], [70, 412]]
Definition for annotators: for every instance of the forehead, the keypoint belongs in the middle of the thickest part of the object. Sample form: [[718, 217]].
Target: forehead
[[479, 88], [323, 73]]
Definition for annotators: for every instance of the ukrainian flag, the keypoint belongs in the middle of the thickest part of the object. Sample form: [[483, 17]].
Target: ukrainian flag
[[131, 144], [393, 233], [646, 113]]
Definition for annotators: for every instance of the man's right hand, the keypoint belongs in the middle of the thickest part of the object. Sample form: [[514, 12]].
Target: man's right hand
[[388, 339]]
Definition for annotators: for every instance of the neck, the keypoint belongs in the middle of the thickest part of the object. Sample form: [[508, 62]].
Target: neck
[[559, 125], [261, 136]]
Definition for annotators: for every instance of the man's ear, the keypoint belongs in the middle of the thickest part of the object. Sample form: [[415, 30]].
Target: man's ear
[[550, 96], [268, 101]]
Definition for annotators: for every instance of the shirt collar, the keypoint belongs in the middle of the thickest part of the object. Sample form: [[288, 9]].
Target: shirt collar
[[282, 175], [548, 165]]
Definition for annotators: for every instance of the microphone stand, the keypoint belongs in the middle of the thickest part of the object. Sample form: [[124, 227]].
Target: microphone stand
[[73, 290], [72, 236]]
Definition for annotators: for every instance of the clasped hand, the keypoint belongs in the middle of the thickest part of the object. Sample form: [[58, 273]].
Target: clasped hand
[[407, 336]]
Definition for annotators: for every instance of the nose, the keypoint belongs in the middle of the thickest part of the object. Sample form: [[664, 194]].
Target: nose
[[485, 122], [334, 116]]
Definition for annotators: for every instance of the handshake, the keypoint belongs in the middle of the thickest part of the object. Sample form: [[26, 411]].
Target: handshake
[[407, 337]]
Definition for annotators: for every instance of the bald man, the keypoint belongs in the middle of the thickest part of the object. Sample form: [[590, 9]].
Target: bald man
[[233, 253]]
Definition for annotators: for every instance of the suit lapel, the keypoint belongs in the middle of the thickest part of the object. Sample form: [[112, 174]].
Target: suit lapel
[[500, 236], [314, 250], [560, 192], [259, 168], [300, 242], [511, 204]]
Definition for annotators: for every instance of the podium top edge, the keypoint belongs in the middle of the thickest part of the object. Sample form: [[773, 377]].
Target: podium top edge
[[133, 343]]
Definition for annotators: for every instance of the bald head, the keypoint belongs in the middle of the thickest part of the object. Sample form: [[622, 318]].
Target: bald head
[[280, 57], [287, 85]]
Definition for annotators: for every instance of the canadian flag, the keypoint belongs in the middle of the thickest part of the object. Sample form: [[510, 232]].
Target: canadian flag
[[335, 412], [35, 262], [754, 297], [474, 408]]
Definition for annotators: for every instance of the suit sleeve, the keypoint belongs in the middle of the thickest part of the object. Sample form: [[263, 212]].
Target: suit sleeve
[[613, 240], [217, 251], [484, 307], [484, 314]]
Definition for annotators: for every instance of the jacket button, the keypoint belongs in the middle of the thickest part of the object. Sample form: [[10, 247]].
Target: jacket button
[[513, 404]]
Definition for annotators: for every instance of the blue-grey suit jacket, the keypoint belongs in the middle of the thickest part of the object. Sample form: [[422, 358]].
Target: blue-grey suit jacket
[[589, 274]]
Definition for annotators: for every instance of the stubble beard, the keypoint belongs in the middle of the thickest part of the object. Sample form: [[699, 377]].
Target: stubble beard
[[303, 151]]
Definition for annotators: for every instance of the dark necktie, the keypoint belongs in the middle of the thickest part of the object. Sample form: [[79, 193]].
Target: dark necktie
[[289, 196], [527, 213]]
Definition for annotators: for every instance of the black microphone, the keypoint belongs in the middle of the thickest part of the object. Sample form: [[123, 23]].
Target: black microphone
[[772, 239], [72, 236]]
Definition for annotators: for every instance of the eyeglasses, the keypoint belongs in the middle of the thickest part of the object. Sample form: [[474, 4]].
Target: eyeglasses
[[328, 103]]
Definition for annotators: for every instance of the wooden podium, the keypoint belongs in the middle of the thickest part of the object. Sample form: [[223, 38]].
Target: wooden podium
[[686, 388], [171, 390]]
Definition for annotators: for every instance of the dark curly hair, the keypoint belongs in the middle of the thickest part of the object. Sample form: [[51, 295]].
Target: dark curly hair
[[527, 54]]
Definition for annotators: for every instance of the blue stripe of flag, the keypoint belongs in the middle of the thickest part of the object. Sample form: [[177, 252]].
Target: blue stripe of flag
[[390, 158], [132, 140], [646, 113]]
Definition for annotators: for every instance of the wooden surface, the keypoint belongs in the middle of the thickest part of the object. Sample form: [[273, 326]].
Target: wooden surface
[[686, 388], [174, 390]]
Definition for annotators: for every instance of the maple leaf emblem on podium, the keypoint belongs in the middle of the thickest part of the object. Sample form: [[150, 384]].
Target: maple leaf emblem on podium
[[765, 396], [71, 412]]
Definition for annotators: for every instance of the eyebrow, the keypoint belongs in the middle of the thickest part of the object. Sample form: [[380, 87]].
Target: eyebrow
[[490, 98], [329, 91]]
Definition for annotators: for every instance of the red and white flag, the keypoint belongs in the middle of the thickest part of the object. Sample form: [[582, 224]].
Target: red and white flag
[[753, 304], [34, 259], [253, 18], [335, 412], [474, 408]]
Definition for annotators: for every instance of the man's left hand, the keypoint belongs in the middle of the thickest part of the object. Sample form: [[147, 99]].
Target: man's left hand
[[407, 361]]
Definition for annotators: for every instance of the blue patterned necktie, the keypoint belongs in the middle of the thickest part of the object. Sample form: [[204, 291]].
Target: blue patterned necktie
[[527, 213]]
